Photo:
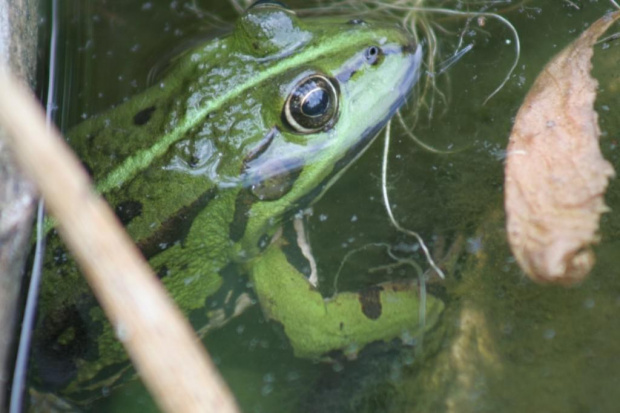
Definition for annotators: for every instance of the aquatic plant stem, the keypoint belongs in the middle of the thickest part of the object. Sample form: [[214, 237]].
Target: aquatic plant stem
[[429, 258], [23, 350], [168, 357], [451, 12], [388, 208], [21, 363]]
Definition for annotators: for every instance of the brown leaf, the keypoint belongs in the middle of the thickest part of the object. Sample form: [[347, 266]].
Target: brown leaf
[[555, 174]]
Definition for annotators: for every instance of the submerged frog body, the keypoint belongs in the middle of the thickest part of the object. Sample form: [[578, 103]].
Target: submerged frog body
[[203, 168]]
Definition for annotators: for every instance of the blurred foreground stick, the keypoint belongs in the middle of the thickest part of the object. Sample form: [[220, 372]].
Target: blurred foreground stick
[[169, 358]]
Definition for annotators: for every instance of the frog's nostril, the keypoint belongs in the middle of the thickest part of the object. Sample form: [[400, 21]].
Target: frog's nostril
[[410, 47]]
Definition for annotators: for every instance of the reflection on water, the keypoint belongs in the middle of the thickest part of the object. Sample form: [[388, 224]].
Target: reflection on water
[[504, 343]]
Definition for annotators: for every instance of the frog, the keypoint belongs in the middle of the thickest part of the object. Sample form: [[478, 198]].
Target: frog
[[208, 169]]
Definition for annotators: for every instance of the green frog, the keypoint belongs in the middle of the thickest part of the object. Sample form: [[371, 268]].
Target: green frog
[[203, 169]]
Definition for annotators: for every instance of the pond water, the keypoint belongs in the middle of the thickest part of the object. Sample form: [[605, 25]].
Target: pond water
[[503, 342]]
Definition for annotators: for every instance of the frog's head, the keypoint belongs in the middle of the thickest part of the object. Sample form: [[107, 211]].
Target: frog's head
[[336, 84]]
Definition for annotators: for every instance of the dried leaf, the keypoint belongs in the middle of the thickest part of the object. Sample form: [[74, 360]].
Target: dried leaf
[[555, 174]]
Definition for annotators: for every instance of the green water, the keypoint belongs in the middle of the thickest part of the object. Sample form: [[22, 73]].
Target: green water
[[504, 343]]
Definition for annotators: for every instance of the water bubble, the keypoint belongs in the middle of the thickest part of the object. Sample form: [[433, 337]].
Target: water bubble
[[407, 338], [474, 245], [589, 303], [269, 378], [292, 376], [266, 389], [549, 333]]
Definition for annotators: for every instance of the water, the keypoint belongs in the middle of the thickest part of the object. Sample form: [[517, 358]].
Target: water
[[503, 343]]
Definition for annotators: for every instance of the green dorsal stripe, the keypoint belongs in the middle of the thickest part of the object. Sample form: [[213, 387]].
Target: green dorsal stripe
[[142, 159]]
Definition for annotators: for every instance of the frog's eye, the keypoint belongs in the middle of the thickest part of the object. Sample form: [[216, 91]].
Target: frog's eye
[[312, 106], [267, 3]]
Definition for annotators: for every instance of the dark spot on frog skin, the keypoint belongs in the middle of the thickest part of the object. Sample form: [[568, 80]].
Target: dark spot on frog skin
[[126, 211], [142, 117], [263, 242], [176, 227], [370, 299], [341, 326], [243, 203]]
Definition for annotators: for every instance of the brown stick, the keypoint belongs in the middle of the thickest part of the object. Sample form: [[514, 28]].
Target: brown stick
[[164, 349]]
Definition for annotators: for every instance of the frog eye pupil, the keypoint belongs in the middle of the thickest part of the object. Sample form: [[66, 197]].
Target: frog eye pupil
[[312, 106], [315, 103]]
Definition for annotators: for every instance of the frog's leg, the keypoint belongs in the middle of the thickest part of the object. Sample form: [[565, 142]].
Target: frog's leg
[[196, 267], [346, 321]]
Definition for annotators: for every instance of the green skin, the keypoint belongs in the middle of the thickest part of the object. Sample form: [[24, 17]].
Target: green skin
[[203, 170]]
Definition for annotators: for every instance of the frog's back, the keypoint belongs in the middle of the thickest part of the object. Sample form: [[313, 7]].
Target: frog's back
[[162, 151]]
